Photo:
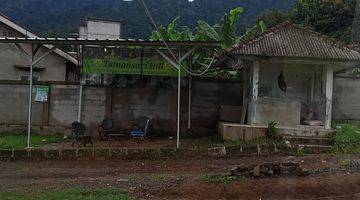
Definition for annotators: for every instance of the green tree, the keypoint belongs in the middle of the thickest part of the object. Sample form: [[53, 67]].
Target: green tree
[[331, 17]]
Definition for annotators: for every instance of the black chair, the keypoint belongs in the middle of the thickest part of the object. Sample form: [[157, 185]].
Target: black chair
[[106, 131], [78, 131], [105, 128]]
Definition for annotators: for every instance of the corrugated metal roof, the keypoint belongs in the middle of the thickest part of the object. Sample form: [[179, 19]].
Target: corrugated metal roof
[[291, 40]]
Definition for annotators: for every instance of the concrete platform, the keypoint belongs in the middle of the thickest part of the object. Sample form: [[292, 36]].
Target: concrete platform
[[233, 132]]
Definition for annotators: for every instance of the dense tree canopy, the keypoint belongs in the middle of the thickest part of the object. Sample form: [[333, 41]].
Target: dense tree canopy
[[50, 17], [330, 17]]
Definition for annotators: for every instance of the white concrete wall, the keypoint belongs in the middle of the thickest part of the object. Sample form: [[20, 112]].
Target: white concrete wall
[[304, 85], [82, 32], [97, 29]]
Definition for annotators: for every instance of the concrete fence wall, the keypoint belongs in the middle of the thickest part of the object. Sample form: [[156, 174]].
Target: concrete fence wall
[[125, 105], [346, 101], [128, 104]]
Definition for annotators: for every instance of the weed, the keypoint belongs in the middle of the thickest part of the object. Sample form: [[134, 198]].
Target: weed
[[346, 139], [73, 194], [345, 163], [223, 179], [158, 177], [17, 141], [273, 131]]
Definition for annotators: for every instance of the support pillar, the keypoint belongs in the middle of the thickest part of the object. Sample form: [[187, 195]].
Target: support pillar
[[254, 91], [30, 96], [80, 86], [177, 66], [33, 62], [178, 103], [80, 102], [329, 78], [178, 109]]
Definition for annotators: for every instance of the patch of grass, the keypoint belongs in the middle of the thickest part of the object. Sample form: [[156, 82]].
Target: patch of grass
[[17, 141], [202, 142], [223, 179], [303, 152], [158, 177], [346, 139], [73, 194], [345, 163]]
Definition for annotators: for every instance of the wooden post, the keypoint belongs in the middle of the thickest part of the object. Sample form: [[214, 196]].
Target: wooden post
[[254, 90], [329, 77]]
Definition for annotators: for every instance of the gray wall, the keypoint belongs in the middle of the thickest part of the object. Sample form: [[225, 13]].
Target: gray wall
[[346, 100], [304, 85], [125, 105], [10, 55]]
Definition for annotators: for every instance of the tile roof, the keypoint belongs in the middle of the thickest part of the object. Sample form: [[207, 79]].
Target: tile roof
[[291, 40]]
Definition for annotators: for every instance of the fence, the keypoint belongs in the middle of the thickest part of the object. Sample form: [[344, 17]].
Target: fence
[[124, 104], [346, 101]]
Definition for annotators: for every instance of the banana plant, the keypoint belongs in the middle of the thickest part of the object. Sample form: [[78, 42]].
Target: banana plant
[[225, 33]]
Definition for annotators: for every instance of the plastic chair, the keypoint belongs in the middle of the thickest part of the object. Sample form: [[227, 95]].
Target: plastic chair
[[140, 133]]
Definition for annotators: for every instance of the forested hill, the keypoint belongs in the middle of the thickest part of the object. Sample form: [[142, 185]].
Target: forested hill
[[62, 17]]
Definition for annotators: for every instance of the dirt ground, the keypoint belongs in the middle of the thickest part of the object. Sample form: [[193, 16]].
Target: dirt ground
[[182, 179], [131, 143]]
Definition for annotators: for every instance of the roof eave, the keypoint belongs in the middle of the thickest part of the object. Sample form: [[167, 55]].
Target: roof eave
[[269, 57]]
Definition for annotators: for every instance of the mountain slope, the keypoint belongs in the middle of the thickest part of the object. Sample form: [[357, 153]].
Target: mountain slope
[[62, 17]]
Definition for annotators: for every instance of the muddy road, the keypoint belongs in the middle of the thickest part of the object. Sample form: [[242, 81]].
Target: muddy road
[[183, 179]]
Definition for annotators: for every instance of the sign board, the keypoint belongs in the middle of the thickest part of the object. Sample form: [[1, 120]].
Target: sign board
[[42, 93], [131, 66]]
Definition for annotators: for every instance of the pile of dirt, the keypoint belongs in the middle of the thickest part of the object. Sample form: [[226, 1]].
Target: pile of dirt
[[270, 169]]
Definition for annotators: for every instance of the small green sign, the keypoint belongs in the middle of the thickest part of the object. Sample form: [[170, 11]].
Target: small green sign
[[152, 67], [42, 93]]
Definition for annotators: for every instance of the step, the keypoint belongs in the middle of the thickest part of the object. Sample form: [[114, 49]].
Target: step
[[310, 148], [305, 131], [294, 140]]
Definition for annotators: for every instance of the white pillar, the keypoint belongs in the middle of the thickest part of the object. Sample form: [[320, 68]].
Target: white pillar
[[80, 101], [178, 109], [254, 90], [80, 86], [329, 77], [30, 99]]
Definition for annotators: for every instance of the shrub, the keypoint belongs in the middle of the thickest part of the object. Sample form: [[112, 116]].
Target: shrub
[[346, 139], [273, 131]]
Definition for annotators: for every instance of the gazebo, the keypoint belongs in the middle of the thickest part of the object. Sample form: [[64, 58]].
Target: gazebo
[[288, 79]]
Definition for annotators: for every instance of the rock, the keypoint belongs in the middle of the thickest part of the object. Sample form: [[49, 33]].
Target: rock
[[242, 168], [288, 170], [303, 172], [287, 143], [256, 171], [290, 164], [263, 170], [217, 152], [234, 171], [277, 170], [270, 173]]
